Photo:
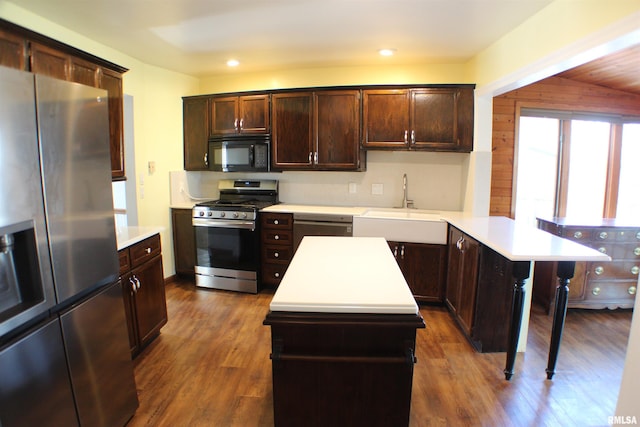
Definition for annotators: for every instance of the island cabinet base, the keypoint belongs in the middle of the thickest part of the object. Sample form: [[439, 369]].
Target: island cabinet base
[[333, 369]]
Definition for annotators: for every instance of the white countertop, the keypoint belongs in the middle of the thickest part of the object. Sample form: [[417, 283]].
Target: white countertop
[[127, 236], [316, 209], [344, 275], [522, 242]]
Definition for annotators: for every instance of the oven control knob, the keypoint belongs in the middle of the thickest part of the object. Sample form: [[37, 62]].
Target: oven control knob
[[209, 213], [235, 214], [201, 213], [244, 215], [222, 214]]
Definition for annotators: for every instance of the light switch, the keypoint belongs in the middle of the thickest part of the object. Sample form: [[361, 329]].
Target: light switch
[[152, 167], [377, 189], [353, 188]]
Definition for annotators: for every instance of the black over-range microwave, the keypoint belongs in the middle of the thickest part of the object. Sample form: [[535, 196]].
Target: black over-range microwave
[[239, 153]]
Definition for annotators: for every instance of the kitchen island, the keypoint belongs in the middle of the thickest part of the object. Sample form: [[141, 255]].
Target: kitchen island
[[520, 245], [343, 324]]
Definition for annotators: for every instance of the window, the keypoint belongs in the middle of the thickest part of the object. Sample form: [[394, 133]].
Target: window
[[576, 165]]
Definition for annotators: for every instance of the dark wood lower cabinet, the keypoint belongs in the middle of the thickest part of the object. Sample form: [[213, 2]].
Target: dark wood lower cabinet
[[334, 369], [143, 292], [184, 242], [424, 268], [479, 292]]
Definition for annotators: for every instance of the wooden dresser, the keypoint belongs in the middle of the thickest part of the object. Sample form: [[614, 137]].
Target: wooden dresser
[[595, 285]]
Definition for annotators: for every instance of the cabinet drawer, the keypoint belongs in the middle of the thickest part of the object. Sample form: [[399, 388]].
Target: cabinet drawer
[[272, 273], [145, 250], [277, 237], [277, 220], [125, 260], [620, 251], [604, 290], [277, 254]]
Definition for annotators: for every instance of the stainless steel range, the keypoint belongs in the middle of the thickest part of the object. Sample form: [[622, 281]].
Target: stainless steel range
[[228, 235]]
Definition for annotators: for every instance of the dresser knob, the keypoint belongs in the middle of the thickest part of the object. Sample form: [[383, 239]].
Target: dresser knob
[[276, 254], [603, 235], [596, 291], [632, 290], [276, 275], [276, 237], [638, 235], [599, 270], [578, 234], [275, 222], [635, 269], [602, 249], [636, 251]]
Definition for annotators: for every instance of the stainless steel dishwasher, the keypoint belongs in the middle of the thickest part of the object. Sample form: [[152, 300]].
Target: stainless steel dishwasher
[[309, 224]]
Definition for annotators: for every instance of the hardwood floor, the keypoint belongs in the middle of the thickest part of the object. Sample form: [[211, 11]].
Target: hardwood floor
[[210, 366]]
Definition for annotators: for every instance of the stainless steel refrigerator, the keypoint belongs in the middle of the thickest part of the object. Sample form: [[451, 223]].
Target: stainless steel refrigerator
[[64, 356]]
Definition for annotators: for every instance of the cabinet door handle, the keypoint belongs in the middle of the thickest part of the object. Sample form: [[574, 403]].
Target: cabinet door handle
[[133, 285], [395, 251], [402, 252], [206, 159], [241, 124], [406, 136], [413, 137], [310, 156], [315, 158], [235, 124], [148, 250]]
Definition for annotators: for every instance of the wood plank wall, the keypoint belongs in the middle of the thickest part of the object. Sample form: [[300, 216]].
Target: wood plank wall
[[555, 93]]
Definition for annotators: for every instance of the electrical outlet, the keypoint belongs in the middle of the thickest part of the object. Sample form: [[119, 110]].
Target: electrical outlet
[[152, 167], [377, 189]]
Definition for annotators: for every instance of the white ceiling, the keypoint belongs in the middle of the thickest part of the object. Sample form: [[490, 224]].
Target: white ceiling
[[197, 37]]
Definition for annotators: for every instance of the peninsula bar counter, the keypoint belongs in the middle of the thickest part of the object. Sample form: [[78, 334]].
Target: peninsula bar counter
[[343, 325]]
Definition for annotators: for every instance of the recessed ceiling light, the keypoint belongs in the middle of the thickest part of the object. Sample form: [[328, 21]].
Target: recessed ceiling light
[[233, 63], [387, 52]]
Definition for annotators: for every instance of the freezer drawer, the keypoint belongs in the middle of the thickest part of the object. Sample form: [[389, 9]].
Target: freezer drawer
[[34, 386], [95, 335]]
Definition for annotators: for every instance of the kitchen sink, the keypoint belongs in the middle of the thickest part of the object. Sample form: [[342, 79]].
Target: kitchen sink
[[401, 225]]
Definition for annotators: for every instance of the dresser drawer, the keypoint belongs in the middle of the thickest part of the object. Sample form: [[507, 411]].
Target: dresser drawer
[[145, 250], [277, 254], [614, 270], [277, 237], [577, 234], [605, 290], [277, 220]]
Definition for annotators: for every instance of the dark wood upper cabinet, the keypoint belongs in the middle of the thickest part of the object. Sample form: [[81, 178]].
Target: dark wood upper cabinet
[[434, 119], [292, 130], [49, 61], [240, 114], [13, 50], [29, 51], [111, 81], [195, 121], [316, 130], [337, 130], [386, 118]]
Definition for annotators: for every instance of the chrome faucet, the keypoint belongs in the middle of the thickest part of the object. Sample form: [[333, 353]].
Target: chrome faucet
[[406, 202]]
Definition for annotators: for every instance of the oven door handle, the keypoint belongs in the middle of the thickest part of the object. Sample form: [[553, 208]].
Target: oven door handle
[[246, 225]]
